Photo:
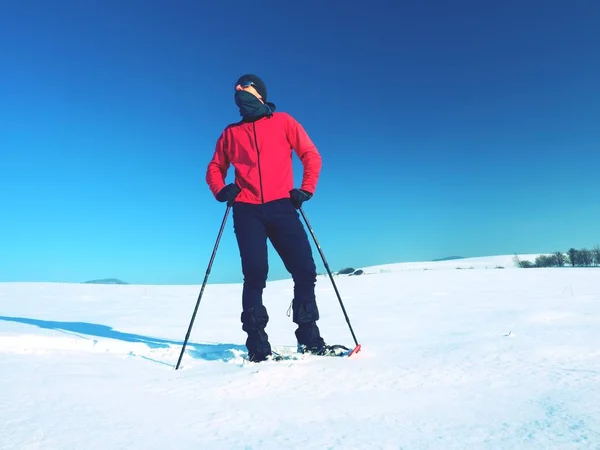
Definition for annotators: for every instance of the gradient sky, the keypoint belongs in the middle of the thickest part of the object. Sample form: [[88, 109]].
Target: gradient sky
[[446, 128]]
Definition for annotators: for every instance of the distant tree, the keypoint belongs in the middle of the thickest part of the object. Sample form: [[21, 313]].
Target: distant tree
[[521, 263], [541, 261], [546, 261], [596, 254], [517, 260], [586, 258], [573, 256]]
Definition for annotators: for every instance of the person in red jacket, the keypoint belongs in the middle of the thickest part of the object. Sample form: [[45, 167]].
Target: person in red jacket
[[264, 204]]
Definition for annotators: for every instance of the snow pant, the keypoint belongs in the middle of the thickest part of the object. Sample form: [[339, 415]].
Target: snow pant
[[279, 222]]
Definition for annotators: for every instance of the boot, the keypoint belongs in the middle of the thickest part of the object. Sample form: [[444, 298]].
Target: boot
[[254, 322], [309, 338], [310, 341], [259, 348]]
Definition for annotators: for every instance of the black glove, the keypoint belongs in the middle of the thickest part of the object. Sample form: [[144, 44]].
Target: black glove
[[228, 193], [299, 196]]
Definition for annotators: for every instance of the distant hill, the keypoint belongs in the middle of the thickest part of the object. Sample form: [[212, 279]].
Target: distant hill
[[449, 258], [106, 281]]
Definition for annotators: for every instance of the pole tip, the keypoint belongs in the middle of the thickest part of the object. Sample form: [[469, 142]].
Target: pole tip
[[355, 350]]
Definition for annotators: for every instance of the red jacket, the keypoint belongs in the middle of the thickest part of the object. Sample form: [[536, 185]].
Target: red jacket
[[261, 153]]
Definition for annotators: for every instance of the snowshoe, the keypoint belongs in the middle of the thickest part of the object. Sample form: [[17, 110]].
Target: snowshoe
[[325, 350]]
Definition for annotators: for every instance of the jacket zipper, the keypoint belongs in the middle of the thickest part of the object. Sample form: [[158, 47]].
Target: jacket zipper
[[262, 198]]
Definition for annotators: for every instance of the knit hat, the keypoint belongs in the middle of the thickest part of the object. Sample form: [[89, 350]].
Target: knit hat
[[259, 84]]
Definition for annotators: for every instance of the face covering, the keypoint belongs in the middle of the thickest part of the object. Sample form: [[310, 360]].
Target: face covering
[[251, 108]]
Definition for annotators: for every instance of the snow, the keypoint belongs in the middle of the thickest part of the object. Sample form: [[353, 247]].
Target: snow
[[486, 262], [451, 359]]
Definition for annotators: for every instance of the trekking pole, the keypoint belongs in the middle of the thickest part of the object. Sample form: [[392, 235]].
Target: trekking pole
[[357, 348], [212, 258]]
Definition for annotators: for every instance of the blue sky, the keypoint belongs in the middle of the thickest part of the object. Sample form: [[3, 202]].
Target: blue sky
[[469, 129]]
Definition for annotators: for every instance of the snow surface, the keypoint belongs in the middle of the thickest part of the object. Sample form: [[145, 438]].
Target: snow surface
[[485, 262], [451, 359]]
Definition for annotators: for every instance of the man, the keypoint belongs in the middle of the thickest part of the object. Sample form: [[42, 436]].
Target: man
[[264, 207]]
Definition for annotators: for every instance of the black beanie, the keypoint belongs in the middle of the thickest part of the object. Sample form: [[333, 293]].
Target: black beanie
[[259, 84]]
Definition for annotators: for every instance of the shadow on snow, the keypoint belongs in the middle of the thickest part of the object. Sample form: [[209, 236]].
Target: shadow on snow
[[207, 352]]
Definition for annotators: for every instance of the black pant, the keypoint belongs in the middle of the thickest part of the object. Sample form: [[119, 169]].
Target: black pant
[[280, 223]]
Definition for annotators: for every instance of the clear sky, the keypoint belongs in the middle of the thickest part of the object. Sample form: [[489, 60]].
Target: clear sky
[[446, 128]]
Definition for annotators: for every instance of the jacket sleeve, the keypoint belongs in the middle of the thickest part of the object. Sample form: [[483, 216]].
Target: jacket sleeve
[[306, 151], [218, 166]]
